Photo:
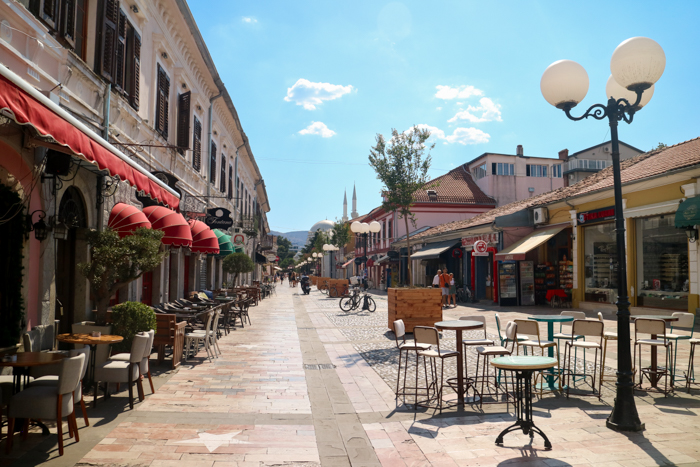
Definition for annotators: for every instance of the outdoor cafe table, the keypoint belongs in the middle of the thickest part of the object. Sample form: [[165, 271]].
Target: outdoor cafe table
[[654, 377], [93, 342], [523, 367], [458, 326], [550, 320]]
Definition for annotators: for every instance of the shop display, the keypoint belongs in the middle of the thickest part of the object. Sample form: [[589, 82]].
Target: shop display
[[508, 280], [566, 275], [527, 283], [540, 286], [600, 263]]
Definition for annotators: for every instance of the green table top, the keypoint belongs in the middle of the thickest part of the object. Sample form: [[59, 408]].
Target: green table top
[[663, 317], [551, 318], [522, 362]]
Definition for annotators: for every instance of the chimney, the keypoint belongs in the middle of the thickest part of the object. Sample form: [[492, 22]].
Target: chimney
[[519, 150], [564, 154]]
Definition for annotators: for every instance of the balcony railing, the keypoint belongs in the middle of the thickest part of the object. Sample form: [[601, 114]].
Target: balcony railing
[[587, 164]]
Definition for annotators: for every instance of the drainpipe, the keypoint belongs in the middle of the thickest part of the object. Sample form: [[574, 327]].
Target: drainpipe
[[100, 178]]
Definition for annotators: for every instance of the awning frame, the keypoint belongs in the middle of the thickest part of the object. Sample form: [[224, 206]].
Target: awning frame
[[518, 250], [434, 251]]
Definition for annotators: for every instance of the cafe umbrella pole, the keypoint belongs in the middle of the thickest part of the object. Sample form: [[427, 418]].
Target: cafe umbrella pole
[[636, 65]]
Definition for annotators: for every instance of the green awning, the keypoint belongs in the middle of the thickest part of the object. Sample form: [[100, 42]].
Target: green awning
[[688, 213], [225, 244]]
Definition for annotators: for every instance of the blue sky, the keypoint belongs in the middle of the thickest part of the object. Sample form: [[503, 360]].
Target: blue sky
[[315, 81]]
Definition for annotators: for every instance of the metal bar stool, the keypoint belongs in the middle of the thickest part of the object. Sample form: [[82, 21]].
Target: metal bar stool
[[430, 335], [607, 336], [686, 322], [408, 347], [466, 343], [690, 376], [654, 327], [531, 328], [583, 328], [484, 353], [561, 335]]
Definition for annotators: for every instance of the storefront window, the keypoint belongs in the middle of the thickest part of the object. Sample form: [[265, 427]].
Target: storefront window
[[662, 264], [600, 253]]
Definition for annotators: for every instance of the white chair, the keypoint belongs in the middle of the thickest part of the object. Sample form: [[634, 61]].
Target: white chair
[[686, 322], [481, 342], [52, 380], [483, 354], [143, 367], [654, 327], [581, 329], [52, 402], [212, 333], [193, 339], [430, 336], [532, 329], [504, 339], [690, 376], [408, 347], [115, 371]]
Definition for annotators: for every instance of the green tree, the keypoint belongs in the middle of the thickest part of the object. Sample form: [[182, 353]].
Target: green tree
[[237, 263], [341, 234], [286, 262], [115, 262], [659, 146], [402, 166]]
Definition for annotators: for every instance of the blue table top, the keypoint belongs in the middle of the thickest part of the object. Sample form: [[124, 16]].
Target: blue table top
[[551, 318]]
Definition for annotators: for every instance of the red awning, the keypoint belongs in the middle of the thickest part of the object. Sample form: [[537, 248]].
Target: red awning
[[346, 264], [124, 219], [203, 238], [176, 229], [370, 263], [27, 106]]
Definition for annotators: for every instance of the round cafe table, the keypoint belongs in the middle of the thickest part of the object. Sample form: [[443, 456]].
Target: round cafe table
[[93, 342], [653, 376], [523, 367], [460, 325], [550, 320]]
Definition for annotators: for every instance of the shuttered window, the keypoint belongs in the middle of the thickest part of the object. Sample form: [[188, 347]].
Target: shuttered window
[[183, 122], [212, 164], [162, 104], [62, 18], [222, 181], [197, 145], [230, 181]]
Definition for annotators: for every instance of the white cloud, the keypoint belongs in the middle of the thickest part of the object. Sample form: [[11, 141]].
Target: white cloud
[[438, 108], [460, 92], [486, 112], [317, 128], [249, 20], [460, 135], [309, 94]]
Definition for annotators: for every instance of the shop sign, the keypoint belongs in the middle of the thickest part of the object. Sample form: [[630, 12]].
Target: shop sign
[[597, 215], [271, 258], [238, 239], [480, 248], [487, 237], [277, 259], [219, 218], [195, 215]]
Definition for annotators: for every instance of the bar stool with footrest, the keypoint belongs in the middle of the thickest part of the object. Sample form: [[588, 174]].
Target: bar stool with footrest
[[607, 336], [532, 329], [690, 375], [655, 327], [504, 339], [583, 328], [483, 355], [403, 346], [466, 343], [430, 335], [686, 322], [562, 335]]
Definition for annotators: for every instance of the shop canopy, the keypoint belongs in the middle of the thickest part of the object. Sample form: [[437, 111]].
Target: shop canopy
[[28, 107], [381, 259], [174, 226], [434, 250], [688, 213], [346, 264], [260, 258], [225, 245], [517, 251], [204, 240], [125, 218]]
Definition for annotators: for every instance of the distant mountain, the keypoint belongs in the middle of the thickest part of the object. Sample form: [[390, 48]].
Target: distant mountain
[[297, 238]]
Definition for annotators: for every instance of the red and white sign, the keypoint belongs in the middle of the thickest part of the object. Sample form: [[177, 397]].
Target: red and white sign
[[488, 238], [480, 248], [277, 259]]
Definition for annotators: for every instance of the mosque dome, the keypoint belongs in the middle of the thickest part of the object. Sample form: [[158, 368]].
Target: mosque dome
[[324, 225]]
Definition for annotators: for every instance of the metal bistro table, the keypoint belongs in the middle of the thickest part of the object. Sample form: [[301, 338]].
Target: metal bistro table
[[93, 342], [458, 326], [550, 320], [523, 367], [654, 377]]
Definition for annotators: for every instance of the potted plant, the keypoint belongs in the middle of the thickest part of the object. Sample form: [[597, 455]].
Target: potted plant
[[128, 319], [402, 166], [237, 263]]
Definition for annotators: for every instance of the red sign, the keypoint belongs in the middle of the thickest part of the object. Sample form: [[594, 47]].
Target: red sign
[[480, 248], [488, 238], [277, 258], [597, 215]]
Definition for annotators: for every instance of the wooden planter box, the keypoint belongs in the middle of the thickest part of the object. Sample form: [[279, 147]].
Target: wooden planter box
[[323, 283], [341, 286], [416, 307]]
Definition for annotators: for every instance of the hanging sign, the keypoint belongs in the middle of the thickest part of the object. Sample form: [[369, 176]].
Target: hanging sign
[[238, 239], [480, 248], [457, 253], [219, 218]]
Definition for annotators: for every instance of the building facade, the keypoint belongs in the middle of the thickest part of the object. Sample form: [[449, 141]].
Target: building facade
[[582, 164]]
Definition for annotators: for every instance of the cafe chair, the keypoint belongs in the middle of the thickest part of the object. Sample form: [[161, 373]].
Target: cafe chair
[[430, 336], [115, 371], [685, 323], [690, 375], [52, 380], [655, 327], [53, 402], [143, 367], [194, 338], [607, 336], [532, 330], [504, 339], [404, 346], [490, 384], [566, 336], [581, 329]]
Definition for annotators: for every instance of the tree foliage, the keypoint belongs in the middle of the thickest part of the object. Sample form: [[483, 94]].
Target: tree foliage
[[115, 262], [130, 318], [286, 262], [341, 234], [402, 166], [237, 263]]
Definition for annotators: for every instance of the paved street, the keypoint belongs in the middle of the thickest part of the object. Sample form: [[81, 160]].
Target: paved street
[[308, 384]]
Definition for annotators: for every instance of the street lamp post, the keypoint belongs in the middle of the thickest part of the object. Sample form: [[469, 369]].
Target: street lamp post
[[328, 247], [636, 65], [362, 229]]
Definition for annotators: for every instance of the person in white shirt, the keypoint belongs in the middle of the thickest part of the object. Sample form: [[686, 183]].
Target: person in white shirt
[[436, 279]]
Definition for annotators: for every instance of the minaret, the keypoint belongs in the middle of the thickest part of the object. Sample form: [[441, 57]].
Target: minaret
[[345, 206], [354, 212]]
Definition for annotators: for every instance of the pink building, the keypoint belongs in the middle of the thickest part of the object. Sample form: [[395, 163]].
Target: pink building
[[508, 178]]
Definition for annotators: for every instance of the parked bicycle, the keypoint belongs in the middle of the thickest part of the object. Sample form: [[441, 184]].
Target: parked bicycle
[[355, 299], [464, 295]]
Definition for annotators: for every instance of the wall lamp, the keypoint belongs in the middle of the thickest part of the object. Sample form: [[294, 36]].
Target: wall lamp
[[41, 230], [692, 234]]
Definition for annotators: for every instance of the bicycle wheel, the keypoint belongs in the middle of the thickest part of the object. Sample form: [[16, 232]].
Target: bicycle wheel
[[371, 305], [346, 303], [333, 292], [324, 291]]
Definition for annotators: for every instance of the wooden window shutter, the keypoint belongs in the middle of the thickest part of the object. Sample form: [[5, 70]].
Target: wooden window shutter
[[230, 182], [162, 107], [120, 54], [68, 15], [222, 182], [183, 122], [197, 146], [212, 164], [49, 12], [110, 18], [135, 84]]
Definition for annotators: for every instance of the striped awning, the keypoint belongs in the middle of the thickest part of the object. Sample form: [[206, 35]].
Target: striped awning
[[174, 226], [204, 240], [125, 218]]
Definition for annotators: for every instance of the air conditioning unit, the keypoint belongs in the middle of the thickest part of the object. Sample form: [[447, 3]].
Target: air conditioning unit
[[541, 216], [606, 149]]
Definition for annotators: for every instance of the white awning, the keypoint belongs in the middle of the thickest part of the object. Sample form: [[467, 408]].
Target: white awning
[[517, 251]]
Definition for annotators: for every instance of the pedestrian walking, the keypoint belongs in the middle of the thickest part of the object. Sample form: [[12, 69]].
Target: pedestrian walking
[[453, 290]]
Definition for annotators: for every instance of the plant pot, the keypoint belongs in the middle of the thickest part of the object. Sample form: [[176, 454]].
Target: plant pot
[[416, 307], [87, 327]]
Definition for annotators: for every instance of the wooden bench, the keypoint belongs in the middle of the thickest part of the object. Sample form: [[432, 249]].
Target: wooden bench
[[169, 332]]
